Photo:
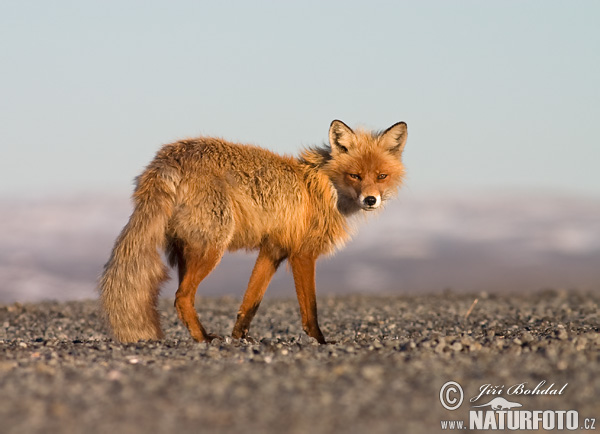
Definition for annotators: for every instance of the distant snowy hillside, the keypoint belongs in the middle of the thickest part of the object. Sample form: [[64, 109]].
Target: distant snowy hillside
[[55, 248]]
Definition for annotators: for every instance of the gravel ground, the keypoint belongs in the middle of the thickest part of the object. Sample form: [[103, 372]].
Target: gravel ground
[[59, 372]]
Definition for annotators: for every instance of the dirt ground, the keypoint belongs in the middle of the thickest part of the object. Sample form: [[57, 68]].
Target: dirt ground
[[61, 373]]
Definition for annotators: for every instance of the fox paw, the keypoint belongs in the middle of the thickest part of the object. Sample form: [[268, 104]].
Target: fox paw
[[207, 338], [247, 339], [211, 337]]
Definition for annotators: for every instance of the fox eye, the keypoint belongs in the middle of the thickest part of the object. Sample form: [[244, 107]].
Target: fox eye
[[355, 176], [382, 176]]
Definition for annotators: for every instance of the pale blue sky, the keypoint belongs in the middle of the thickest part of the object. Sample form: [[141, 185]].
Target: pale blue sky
[[497, 95]]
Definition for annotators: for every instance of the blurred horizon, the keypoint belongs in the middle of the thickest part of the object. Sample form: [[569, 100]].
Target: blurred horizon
[[496, 242]]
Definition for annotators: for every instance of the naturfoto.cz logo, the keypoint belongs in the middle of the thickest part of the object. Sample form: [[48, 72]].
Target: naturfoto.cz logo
[[499, 413]]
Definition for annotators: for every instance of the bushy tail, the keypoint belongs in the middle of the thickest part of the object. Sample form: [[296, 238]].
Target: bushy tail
[[130, 284]]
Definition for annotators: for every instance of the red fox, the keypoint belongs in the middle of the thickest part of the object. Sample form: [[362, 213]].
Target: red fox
[[201, 197]]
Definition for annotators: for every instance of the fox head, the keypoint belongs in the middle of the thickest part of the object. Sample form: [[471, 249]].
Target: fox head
[[365, 167]]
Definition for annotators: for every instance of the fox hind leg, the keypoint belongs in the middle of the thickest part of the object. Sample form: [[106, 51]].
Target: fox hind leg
[[266, 265], [193, 267]]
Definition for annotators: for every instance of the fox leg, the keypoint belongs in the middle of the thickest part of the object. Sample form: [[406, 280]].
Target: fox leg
[[265, 267], [193, 268], [303, 269]]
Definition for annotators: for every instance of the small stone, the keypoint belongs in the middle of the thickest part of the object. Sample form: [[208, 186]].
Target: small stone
[[527, 337], [475, 346], [456, 346], [439, 348]]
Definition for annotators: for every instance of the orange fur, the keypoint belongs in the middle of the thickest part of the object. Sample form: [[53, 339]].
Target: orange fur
[[201, 197]]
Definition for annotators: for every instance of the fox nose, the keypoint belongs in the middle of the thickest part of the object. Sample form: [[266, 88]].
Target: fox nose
[[370, 200]]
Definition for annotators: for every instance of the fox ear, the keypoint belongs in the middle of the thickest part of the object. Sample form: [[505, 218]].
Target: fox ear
[[394, 138], [340, 137]]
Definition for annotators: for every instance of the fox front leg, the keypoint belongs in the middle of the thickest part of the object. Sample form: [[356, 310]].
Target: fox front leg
[[303, 269]]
